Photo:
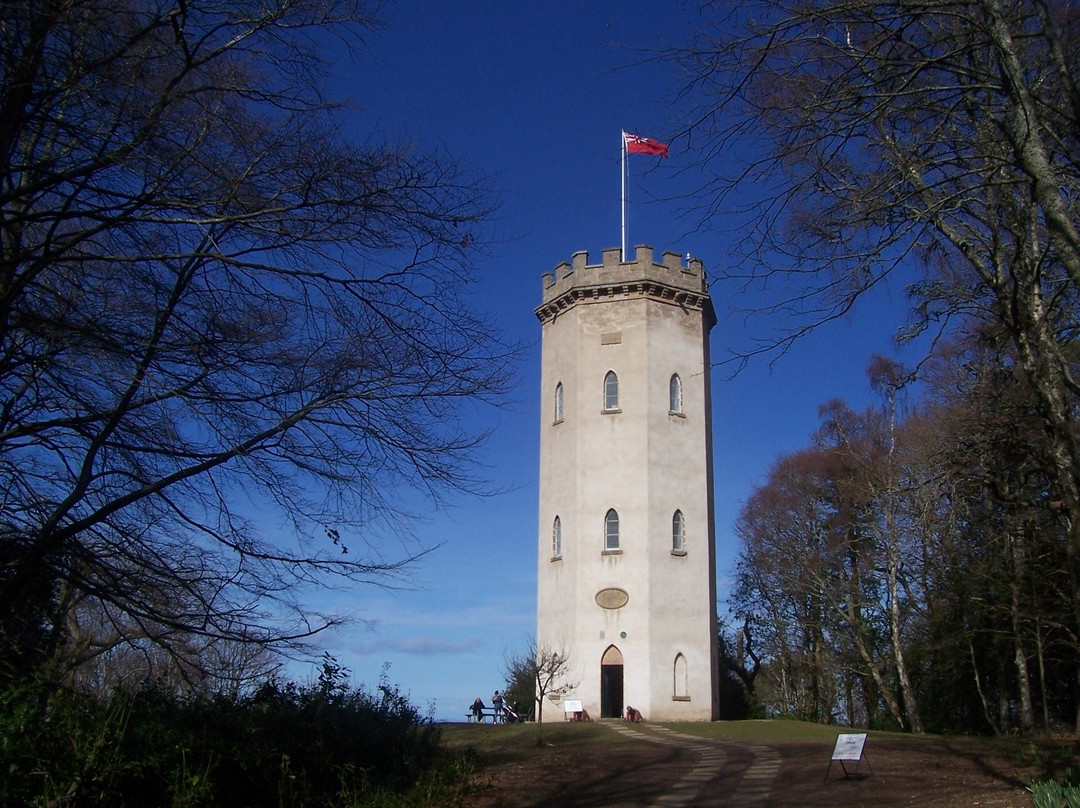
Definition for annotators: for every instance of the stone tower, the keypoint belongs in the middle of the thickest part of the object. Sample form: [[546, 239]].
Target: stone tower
[[627, 561]]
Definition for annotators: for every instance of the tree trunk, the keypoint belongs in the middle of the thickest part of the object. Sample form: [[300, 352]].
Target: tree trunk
[[1026, 717], [886, 692], [910, 702], [893, 555], [1004, 703], [1041, 657], [982, 694], [849, 695], [1076, 721]]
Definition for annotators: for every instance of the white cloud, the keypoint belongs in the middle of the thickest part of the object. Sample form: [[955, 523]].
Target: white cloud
[[416, 645]]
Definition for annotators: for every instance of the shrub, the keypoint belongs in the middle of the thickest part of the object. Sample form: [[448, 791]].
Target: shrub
[[1052, 794], [326, 744]]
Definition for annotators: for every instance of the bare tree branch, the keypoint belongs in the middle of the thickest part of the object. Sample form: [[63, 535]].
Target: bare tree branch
[[230, 333]]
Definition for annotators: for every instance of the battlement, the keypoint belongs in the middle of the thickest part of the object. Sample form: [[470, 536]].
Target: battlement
[[671, 280]]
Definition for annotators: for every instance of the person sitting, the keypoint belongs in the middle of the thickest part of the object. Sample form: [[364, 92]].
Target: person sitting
[[478, 710], [633, 715]]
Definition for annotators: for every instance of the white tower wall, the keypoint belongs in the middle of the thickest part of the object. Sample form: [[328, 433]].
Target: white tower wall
[[645, 321]]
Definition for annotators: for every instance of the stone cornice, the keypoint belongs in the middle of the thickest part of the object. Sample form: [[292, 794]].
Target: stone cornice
[[606, 292]]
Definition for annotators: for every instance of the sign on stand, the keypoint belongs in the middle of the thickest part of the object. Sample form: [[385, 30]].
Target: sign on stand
[[849, 748]]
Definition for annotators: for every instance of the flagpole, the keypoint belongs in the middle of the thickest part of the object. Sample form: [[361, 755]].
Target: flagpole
[[622, 256], [642, 145]]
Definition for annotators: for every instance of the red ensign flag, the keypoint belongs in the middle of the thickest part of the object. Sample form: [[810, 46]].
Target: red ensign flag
[[636, 144]]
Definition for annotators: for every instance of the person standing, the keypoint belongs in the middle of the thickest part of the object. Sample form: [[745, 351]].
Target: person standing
[[497, 703]]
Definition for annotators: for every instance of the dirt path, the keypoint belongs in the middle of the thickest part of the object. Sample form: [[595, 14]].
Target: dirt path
[[664, 768]]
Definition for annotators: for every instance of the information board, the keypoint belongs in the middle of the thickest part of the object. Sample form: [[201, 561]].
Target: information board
[[849, 746]]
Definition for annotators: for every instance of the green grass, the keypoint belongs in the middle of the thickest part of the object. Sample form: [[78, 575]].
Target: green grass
[[487, 737], [767, 731], [503, 739], [791, 731], [511, 738]]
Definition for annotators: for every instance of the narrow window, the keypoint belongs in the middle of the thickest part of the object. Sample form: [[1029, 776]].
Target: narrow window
[[611, 391], [558, 402], [678, 533], [556, 538], [611, 530], [675, 394], [680, 691]]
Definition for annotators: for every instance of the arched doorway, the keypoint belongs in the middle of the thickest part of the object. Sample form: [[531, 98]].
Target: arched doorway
[[611, 683]]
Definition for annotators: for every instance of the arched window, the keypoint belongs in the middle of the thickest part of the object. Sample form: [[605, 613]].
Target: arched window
[[556, 538], [558, 402], [675, 394], [611, 530], [611, 391], [679, 690], [678, 533]]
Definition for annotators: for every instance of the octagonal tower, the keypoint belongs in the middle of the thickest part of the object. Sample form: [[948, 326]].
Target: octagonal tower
[[627, 561]]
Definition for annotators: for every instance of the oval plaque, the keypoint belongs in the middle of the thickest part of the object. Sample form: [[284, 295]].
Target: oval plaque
[[611, 598]]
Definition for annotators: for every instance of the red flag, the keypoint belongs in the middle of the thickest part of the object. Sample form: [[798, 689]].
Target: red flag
[[636, 144]]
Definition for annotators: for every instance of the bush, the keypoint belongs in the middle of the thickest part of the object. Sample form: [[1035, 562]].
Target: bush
[[326, 744]]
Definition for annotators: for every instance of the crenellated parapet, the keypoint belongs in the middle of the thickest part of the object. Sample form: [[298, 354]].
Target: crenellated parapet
[[670, 281]]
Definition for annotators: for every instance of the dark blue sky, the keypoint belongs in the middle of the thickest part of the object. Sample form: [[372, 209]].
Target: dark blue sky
[[535, 94]]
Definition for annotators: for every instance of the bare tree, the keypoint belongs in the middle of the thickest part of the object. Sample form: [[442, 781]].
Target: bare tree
[[550, 670], [104, 651], [230, 333], [789, 605], [931, 142], [739, 663], [921, 557], [991, 449], [822, 574]]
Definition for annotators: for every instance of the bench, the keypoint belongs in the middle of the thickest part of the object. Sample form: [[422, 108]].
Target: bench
[[485, 713]]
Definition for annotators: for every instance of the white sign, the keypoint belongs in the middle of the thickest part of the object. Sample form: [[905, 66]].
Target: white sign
[[849, 746], [572, 705]]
